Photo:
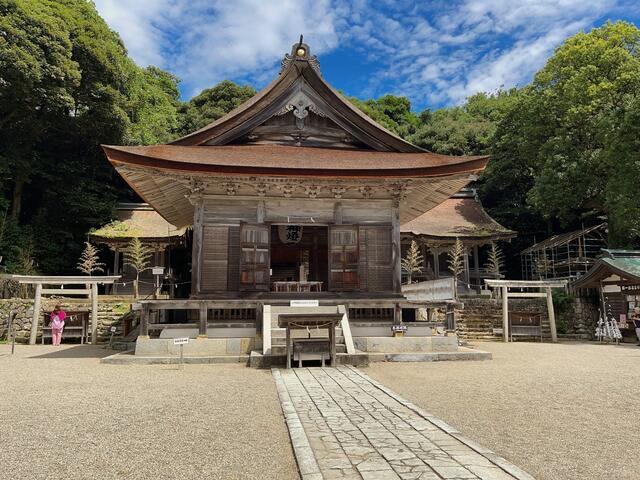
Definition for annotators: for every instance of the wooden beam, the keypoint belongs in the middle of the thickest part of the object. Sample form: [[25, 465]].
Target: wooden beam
[[36, 315], [526, 283], [527, 294], [552, 316], [505, 314], [61, 279], [66, 291], [94, 313]]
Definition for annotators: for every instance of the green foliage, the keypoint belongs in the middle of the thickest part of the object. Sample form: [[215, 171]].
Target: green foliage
[[393, 113], [66, 87], [212, 104], [563, 304], [412, 263]]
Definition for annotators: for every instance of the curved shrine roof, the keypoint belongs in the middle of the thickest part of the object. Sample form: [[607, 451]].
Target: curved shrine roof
[[291, 160]]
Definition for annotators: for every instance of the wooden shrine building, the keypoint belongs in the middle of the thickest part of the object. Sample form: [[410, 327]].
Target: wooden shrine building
[[296, 190], [459, 217]]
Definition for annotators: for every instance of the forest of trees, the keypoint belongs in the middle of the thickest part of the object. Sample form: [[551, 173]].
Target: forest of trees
[[565, 148]]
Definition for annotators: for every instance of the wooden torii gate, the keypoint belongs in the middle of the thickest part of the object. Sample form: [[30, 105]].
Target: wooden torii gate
[[89, 288], [544, 290]]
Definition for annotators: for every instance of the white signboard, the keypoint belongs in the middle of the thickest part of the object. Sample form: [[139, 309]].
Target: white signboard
[[181, 341], [304, 303], [136, 306], [157, 270], [113, 329]]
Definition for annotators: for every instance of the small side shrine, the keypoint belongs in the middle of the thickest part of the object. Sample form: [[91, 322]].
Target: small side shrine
[[139, 220], [615, 280], [435, 231]]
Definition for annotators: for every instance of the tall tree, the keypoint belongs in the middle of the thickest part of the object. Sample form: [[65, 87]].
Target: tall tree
[[211, 104]]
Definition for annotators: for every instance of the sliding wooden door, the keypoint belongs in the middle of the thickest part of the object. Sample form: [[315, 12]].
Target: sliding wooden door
[[343, 257], [254, 256]]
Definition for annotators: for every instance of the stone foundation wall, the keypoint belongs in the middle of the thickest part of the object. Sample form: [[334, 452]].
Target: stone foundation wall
[[582, 318], [479, 316], [110, 313]]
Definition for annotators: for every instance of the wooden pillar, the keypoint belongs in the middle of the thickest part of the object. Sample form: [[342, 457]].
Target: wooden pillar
[[505, 314], [196, 250], [436, 263], [261, 212], [465, 258], [116, 267], [94, 313], [337, 214], [144, 322], [552, 316], [203, 320], [476, 267], [397, 253], [37, 303]]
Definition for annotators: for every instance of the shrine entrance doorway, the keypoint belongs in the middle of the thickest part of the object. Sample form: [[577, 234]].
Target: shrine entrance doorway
[[299, 258]]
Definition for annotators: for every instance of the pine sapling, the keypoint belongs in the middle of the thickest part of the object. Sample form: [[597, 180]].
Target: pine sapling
[[89, 260], [456, 261], [412, 263], [138, 257], [495, 261]]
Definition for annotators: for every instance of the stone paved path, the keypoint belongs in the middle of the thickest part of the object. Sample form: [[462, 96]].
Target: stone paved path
[[345, 425]]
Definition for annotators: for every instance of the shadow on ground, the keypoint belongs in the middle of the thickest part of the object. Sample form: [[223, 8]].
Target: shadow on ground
[[76, 351]]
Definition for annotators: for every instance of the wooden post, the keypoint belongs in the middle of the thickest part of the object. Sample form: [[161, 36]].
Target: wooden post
[[288, 347], [332, 342], [144, 322], [397, 253], [261, 212], [94, 313], [552, 316], [116, 266], [505, 314], [36, 315], [196, 252], [436, 263], [476, 267], [204, 314]]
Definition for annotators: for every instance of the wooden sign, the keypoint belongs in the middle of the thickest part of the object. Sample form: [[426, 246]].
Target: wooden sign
[[181, 341], [304, 303], [157, 270], [630, 288]]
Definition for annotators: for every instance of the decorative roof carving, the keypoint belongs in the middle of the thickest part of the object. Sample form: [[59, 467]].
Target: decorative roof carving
[[300, 52]]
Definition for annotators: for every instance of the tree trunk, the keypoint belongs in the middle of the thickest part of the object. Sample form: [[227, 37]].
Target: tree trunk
[[16, 205], [135, 288]]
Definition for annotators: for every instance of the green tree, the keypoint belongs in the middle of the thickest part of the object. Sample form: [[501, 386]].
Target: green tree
[[211, 104], [392, 112], [585, 94], [66, 87]]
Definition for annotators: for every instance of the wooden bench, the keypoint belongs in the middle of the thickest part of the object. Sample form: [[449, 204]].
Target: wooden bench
[[75, 326], [320, 346], [525, 324]]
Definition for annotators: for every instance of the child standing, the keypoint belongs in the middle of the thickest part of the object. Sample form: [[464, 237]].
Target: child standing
[[57, 324]]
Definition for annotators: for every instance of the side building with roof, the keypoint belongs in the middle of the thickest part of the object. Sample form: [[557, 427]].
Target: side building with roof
[[459, 217]]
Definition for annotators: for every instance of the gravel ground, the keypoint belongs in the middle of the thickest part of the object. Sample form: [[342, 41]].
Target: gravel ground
[[562, 412], [64, 415]]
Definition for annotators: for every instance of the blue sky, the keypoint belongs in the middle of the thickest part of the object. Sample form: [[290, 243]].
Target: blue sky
[[437, 52]]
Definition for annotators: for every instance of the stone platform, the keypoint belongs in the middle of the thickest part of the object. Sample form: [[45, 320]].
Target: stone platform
[[345, 425]]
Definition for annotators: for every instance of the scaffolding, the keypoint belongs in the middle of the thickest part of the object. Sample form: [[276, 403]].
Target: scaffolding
[[564, 256]]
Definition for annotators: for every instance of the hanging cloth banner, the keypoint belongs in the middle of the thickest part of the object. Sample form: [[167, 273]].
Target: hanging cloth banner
[[290, 234]]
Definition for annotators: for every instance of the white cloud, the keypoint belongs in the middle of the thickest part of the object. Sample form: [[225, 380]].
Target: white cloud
[[436, 51], [204, 41]]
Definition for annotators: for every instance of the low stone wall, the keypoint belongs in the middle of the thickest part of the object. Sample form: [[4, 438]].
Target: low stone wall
[[582, 318], [479, 316], [110, 313]]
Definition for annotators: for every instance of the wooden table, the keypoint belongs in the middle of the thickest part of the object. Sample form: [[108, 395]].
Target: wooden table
[[302, 321], [307, 286]]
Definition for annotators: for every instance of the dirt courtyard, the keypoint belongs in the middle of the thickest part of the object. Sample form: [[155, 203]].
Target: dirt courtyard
[[561, 412], [63, 415]]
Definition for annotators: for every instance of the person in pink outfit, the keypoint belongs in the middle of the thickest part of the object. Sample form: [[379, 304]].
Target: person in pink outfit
[[56, 322]]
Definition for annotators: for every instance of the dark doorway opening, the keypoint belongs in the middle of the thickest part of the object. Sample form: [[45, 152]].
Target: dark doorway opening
[[299, 253]]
